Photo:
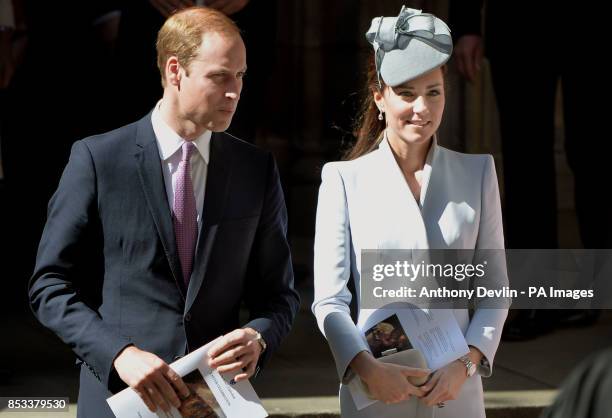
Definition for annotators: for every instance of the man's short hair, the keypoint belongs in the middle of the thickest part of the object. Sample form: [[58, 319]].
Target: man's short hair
[[181, 34]]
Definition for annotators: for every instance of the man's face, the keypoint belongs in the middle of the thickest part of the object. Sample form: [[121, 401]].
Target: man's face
[[209, 90]]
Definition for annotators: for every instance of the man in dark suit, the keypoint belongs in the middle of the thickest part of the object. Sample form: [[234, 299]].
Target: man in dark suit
[[159, 230]]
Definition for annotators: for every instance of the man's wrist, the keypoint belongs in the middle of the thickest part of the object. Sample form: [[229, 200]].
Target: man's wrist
[[257, 337], [125, 349], [260, 340]]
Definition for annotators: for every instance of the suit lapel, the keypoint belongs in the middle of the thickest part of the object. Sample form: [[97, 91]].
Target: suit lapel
[[217, 186], [151, 178]]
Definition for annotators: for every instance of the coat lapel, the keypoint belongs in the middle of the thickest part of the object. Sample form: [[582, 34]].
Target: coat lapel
[[430, 162], [217, 186], [151, 178], [399, 223], [408, 229]]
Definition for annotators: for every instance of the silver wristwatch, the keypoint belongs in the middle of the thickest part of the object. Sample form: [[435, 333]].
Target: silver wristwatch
[[470, 367], [261, 342]]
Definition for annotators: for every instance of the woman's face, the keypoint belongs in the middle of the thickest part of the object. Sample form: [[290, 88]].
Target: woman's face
[[413, 110]]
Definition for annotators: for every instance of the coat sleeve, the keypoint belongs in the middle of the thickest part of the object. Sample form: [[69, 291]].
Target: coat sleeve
[[271, 298], [58, 288], [484, 331], [332, 267]]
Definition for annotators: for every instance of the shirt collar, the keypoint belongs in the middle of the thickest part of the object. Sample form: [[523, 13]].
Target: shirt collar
[[169, 142]]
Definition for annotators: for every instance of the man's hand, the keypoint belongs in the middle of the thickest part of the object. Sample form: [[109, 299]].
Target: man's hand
[[167, 7], [237, 350], [227, 7], [151, 378], [468, 53]]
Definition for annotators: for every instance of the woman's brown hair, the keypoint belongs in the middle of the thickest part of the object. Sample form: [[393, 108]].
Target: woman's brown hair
[[368, 129]]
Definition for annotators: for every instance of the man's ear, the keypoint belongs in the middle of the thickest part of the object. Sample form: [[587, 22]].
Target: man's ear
[[173, 71]]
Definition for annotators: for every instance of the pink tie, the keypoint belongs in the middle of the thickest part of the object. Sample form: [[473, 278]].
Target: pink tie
[[185, 214]]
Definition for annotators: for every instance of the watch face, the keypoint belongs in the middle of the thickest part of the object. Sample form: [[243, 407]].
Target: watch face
[[472, 370]]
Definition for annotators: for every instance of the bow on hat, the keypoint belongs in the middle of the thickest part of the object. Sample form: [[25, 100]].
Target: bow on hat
[[390, 33]]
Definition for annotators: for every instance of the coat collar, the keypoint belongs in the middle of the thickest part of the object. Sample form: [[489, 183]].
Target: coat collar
[[430, 160]]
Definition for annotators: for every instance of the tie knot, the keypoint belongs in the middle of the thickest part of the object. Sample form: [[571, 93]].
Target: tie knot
[[188, 149]]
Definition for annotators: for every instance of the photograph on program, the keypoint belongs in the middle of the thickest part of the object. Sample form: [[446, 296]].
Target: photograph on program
[[387, 337], [201, 402]]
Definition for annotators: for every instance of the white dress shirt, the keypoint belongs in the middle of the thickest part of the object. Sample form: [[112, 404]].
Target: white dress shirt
[[169, 144]]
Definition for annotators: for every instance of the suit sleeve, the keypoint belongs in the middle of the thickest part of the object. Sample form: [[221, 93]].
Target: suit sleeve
[[332, 268], [271, 298], [484, 331], [57, 288]]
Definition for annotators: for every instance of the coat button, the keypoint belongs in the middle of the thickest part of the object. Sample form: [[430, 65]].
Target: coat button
[[187, 317]]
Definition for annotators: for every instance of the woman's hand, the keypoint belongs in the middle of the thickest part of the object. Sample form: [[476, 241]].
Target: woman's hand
[[387, 382], [445, 384]]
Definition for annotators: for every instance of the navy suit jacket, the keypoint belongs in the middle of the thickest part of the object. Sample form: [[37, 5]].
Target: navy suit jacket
[[108, 274]]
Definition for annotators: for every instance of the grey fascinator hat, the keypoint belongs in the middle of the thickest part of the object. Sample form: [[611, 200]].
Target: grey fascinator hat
[[409, 45]]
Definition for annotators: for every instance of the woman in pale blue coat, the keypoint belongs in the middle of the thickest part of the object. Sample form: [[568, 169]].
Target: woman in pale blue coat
[[399, 189]]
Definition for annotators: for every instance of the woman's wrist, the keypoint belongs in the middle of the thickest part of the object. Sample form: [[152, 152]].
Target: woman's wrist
[[364, 364], [475, 355]]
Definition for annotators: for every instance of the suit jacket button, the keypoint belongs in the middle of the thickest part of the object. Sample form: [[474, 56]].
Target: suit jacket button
[[187, 317], [177, 358]]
